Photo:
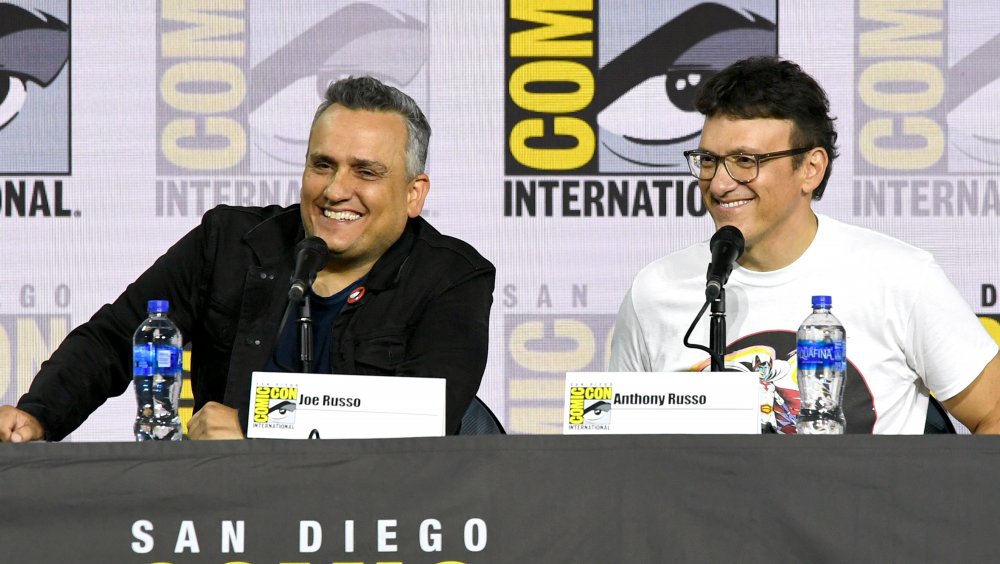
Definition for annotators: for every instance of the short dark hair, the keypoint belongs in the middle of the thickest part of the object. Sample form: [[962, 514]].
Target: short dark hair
[[769, 87], [370, 94]]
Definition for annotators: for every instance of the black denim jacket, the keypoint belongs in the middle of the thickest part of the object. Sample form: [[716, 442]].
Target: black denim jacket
[[425, 312]]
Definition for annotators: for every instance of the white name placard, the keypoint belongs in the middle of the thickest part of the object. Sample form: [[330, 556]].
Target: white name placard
[[337, 406], [619, 403]]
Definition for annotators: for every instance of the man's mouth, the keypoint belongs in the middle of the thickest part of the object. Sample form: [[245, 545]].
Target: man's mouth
[[734, 204], [341, 215]]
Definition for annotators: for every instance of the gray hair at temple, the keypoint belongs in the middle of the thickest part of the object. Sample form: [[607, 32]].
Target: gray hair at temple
[[370, 94]]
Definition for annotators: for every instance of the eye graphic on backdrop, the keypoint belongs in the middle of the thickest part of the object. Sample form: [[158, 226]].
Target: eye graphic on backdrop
[[32, 49], [360, 39], [12, 97], [970, 88], [645, 95]]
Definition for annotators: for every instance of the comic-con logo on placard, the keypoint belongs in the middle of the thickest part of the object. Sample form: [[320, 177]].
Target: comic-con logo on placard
[[607, 88], [34, 88], [238, 86], [590, 405], [275, 406]]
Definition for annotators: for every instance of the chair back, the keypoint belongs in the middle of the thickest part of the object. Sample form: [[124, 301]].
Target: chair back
[[480, 420], [938, 421]]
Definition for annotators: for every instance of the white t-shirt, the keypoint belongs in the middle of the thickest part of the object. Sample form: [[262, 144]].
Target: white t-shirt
[[908, 329]]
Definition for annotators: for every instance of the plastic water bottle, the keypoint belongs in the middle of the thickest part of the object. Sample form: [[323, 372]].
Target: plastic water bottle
[[157, 375], [822, 371]]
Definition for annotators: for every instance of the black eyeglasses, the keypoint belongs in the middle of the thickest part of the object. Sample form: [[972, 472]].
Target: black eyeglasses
[[742, 167]]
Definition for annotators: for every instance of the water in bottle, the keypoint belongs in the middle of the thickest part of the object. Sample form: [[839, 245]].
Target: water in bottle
[[157, 375], [822, 371]]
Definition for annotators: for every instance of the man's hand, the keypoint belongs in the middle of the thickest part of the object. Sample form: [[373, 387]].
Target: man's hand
[[215, 421], [17, 426]]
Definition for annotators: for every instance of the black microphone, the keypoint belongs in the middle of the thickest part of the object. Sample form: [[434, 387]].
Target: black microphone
[[310, 257], [727, 246]]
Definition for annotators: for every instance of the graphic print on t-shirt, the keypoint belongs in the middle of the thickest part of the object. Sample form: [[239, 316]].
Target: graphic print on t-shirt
[[771, 354]]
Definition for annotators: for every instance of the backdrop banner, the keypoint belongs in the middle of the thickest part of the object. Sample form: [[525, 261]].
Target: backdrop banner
[[558, 129]]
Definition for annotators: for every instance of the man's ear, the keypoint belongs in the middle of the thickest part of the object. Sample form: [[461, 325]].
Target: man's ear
[[416, 194], [813, 169]]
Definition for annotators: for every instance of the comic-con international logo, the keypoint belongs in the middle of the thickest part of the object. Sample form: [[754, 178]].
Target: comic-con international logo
[[927, 85], [275, 405], [34, 90], [238, 84], [606, 88], [590, 405]]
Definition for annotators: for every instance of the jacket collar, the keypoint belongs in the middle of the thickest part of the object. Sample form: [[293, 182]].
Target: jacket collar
[[274, 239], [389, 267]]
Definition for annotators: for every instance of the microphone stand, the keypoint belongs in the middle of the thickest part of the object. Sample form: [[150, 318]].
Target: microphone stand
[[717, 332], [305, 334]]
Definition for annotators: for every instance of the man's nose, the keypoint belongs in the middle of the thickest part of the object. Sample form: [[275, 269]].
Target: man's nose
[[338, 189], [722, 182]]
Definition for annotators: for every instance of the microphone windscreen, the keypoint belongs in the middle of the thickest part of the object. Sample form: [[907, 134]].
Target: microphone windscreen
[[310, 256], [729, 235], [313, 244]]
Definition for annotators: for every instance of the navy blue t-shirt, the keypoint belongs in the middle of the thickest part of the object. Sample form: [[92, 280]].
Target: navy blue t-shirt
[[323, 311]]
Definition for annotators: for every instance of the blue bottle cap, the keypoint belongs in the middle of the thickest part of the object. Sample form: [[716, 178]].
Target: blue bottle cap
[[822, 302], [158, 306]]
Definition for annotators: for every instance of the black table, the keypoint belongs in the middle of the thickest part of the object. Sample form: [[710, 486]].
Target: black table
[[505, 499]]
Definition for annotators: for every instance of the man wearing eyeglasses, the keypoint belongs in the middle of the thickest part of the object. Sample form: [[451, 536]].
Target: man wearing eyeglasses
[[765, 154]]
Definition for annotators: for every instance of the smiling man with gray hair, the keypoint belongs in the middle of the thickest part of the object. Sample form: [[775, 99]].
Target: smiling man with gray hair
[[395, 297]]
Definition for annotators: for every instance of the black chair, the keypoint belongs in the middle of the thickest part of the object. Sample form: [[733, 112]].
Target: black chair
[[480, 420], [938, 422]]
